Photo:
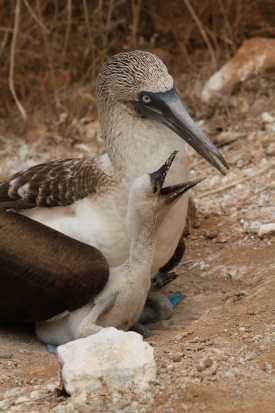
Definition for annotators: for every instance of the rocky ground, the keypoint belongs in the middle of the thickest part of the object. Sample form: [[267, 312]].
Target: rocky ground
[[218, 352]]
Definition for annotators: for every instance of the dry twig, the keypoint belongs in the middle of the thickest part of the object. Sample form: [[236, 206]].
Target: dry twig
[[12, 54], [43, 27], [68, 28], [203, 33]]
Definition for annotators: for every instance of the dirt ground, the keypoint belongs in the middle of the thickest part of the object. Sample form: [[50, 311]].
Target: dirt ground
[[227, 319]]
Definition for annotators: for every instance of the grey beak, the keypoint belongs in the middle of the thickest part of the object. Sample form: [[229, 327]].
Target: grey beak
[[168, 109], [171, 193], [158, 177]]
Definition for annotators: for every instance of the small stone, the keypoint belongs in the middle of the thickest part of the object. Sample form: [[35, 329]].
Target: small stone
[[195, 340], [266, 229], [201, 367], [21, 400], [35, 394], [3, 405], [267, 117], [241, 329], [181, 386], [252, 227], [82, 407], [238, 393], [67, 408], [79, 396], [184, 407], [51, 387], [211, 233], [269, 367], [176, 358], [208, 363], [227, 374], [4, 378]]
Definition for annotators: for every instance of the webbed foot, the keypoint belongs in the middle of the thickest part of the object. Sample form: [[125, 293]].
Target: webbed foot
[[51, 348]]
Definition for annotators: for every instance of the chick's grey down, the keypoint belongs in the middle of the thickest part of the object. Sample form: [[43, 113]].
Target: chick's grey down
[[142, 121], [121, 301]]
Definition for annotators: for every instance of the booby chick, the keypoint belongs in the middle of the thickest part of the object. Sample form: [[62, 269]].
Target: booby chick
[[121, 302], [143, 120]]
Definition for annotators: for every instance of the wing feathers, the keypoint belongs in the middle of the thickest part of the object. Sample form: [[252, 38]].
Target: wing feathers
[[44, 272], [57, 183]]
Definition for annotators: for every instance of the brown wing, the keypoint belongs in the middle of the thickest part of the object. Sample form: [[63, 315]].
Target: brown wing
[[50, 184], [44, 272]]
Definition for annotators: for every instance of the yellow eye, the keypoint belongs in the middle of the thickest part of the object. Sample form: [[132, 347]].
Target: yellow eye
[[146, 99], [155, 189]]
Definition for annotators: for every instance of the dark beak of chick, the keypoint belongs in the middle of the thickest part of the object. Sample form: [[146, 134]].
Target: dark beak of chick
[[171, 193], [168, 109]]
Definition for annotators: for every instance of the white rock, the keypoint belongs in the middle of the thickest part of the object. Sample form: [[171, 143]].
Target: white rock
[[3, 405], [267, 118], [67, 408], [35, 394], [252, 226], [21, 400], [266, 229], [112, 357]]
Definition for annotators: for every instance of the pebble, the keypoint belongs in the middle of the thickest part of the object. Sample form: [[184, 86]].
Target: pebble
[[238, 393], [21, 400], [35, 394], [269, 367], [195, 340], [67, 408], [51, 386], [252, 227], [211, 233], [82, 407], [3, 405], [176, 358], [267, 117], [208, 362], [181, 386], [266, 229], [4, 378], [227, 374]]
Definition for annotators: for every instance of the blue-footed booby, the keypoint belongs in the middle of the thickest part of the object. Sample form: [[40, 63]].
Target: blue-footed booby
[[121, 301], [143, 120]]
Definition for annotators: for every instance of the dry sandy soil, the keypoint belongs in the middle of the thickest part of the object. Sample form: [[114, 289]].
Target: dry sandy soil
[[228, 315]]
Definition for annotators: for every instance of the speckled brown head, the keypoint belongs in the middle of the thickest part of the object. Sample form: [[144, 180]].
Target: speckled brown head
[[125, 75], [137, 83]]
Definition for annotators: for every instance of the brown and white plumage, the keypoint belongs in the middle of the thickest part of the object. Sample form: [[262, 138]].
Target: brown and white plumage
[[87, 199], [57, 183], [121, 302]]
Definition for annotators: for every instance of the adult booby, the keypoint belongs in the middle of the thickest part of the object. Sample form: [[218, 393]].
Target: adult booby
[[121, 301], [143, 120]]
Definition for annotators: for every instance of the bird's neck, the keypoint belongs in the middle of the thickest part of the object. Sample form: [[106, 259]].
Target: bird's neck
[[142, 251], [136, 145]]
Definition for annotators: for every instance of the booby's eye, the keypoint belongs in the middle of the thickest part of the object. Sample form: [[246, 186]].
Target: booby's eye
[[146, 98], [155, 189]]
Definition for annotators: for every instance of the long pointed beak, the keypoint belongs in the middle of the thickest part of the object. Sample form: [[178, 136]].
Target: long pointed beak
[[173, 193], [158, 177], [168, 109]]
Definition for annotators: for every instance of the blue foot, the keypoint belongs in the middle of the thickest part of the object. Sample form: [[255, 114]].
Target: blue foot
[[175, 299], [52, 348]]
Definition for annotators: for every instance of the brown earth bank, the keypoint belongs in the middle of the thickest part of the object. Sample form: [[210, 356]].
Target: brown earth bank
[[218, 352]]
